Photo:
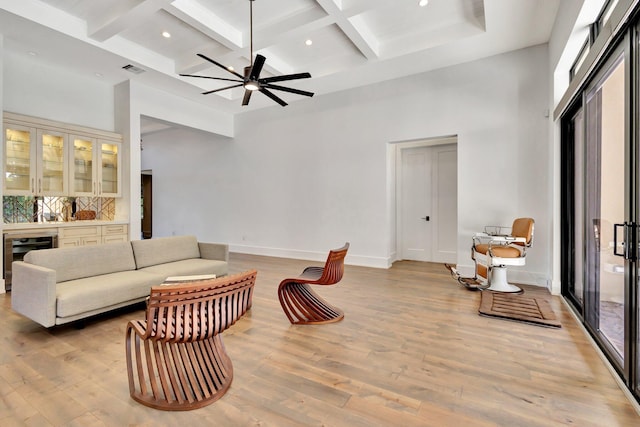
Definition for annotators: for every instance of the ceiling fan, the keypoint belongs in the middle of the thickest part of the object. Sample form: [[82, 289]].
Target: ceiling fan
[[251, 80]]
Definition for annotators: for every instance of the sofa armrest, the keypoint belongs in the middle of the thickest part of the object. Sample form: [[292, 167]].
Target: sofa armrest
[[33, 292], [218, 251]]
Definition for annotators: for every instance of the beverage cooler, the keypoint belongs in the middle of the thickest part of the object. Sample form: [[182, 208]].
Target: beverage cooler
[[18, 244]]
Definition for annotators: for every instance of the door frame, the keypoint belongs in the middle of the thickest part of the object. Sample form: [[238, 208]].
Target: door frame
[[397, 148]]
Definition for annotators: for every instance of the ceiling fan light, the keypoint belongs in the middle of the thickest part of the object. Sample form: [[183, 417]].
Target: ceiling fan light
[[251, 86]]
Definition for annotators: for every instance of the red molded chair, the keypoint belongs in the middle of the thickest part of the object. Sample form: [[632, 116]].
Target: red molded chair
[[301, 304]]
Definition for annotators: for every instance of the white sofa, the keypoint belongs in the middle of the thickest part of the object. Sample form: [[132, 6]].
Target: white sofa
[[61, 285]]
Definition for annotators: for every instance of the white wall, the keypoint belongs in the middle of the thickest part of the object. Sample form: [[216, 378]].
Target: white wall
[[133, 100], [39, 90], [299, 180]]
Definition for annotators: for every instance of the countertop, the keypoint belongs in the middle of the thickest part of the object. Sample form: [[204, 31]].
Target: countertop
[[25, 226]]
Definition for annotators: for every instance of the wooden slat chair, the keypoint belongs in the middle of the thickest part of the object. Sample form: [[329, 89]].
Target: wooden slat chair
[[301, 304], [176, 359]]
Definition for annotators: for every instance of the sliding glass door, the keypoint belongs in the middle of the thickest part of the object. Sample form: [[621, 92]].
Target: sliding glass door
[[607, 212], [599, 212]]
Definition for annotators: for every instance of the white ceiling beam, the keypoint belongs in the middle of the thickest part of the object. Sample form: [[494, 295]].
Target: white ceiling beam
[[47, 16], [210, 24], [361, 38], [300, 25], [350, 9], [297, 25], [105, 27], [64, 23]]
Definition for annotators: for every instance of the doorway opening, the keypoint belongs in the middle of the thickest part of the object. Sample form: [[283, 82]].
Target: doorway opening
[[426, 190], [146, 204]]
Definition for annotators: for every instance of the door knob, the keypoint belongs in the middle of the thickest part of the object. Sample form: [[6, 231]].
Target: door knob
[[426, 218]]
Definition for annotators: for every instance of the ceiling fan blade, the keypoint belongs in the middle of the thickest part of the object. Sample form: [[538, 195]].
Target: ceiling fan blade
[[220, 65], [286, 77], [288, 89], [212, 78], [254, 74], [272, 96], [247, 97], [222, 88]]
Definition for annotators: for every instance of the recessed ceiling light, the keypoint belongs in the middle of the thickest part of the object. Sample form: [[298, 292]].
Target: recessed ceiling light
[[166, 34], [309, 42], [98, 74], [32, 53], [230, 68], [423, 3]]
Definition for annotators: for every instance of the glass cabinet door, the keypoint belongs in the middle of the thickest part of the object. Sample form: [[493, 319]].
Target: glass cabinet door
[[83, 175], [52, 172], [19, 160], [109, 170]]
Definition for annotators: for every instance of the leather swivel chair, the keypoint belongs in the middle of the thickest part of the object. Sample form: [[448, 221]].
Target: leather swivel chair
[[493, 251]]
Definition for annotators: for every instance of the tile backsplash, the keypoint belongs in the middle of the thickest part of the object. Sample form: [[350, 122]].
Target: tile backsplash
[[24, 209]]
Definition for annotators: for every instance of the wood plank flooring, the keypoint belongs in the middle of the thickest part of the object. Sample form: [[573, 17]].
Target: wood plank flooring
[[411, 351]]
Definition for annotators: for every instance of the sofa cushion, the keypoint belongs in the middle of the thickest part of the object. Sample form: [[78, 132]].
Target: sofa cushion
[[84, 261], [82, 295], [189, 267], [164, 249]]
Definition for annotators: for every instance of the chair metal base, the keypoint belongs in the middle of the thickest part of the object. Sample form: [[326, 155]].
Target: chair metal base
[[471, 283], [499, 282]]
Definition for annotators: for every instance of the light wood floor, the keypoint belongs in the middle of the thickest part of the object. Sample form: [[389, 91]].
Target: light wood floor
[[411, 351]]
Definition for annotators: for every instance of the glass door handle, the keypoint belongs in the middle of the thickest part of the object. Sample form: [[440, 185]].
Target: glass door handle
[[615, 240], [629, 233]]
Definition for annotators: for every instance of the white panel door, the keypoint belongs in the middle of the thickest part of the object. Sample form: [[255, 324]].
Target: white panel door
[[445, 204], [428, 207], [416, 204]]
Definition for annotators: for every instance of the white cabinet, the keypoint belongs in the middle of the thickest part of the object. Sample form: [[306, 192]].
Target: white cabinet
[[19, 159], [79, 236], [51, 163], [95, 167], [35, 161], [92, 235], [46, 158], [115, 233]]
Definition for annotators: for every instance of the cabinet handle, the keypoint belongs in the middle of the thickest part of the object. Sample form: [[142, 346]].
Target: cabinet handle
[[33, 185], [40, 185], [99, 189]]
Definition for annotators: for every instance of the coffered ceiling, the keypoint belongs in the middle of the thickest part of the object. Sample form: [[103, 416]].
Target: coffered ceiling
[[354, 42]]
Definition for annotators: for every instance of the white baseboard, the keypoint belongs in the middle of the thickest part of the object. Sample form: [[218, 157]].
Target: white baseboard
[[359, 260]]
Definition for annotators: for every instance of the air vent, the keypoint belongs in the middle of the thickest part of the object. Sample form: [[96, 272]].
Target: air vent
[[133, 69]]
